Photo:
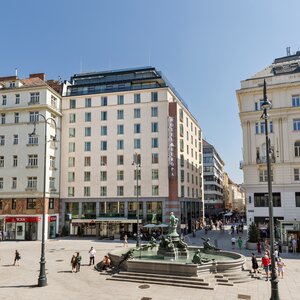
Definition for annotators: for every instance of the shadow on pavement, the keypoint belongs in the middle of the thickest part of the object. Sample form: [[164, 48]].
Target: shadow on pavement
[[64, 271], [18, 286]]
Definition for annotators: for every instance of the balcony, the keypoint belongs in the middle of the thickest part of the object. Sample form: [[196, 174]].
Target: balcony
[[263, 159], [33, 102]]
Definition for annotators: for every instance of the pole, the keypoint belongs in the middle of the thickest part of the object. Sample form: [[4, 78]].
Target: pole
[[42, 281], [274, 279], [137, 202]]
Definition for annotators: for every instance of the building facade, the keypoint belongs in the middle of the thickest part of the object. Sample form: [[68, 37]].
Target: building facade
[[129, 144], [213, 173], [22, 104], [283, 90]]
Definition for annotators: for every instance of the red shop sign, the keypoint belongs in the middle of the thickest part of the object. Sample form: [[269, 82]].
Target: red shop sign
[[22, 219], [52, 219]]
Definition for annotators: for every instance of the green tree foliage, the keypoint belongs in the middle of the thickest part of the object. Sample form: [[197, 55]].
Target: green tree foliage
[[253, 233]]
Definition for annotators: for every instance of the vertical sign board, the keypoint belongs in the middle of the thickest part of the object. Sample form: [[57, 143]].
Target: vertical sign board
[[173, 201]]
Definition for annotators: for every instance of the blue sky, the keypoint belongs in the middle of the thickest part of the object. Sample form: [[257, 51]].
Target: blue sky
[[205, 48]]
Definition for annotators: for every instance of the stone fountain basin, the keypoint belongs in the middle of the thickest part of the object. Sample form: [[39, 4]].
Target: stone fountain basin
[[224, 261]]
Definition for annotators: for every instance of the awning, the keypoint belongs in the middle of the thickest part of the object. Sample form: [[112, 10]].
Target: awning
[[112, 220], [155, 225]]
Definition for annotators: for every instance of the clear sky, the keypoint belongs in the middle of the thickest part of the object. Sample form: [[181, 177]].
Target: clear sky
[[205, 48]]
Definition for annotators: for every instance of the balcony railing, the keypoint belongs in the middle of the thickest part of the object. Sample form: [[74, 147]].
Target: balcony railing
[[263, 159]]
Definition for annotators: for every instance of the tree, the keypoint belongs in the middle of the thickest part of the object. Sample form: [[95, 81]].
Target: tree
[[253, 233]]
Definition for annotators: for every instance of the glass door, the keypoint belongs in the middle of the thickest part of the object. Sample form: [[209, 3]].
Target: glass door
[[20, 231]]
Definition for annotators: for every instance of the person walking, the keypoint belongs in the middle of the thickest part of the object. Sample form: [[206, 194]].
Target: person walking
[[280, 267], [73, 263], [92, 253], [265, 263], [294, 245], [17, 258], [233, 240], [125, 244], [240, 242], [254, 264], [78, 262], [258, 247]]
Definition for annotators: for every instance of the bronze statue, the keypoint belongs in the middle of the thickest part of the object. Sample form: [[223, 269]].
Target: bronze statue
[[207, 245], [198, 259]]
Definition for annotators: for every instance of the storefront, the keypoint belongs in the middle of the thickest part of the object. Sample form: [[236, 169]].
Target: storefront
[[21, 228], [52, 227]]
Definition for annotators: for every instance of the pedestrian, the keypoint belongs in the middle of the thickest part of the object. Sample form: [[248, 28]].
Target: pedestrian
[[233, 240], [240, 242], [294, 245], [280, 267], [125, 244], [237, 229], [73, 263], [78, 262], [254, 264], [17, 258], [265, 263], [92, 253], [232, 229], [105, 262], [276, 255]]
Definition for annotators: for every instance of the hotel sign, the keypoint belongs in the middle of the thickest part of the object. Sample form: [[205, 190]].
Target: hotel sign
[[172, 153]]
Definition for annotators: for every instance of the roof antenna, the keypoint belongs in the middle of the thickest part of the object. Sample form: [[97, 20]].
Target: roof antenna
[[288, 51], [16, 72]]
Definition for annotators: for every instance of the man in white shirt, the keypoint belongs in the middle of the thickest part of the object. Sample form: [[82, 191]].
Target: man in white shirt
[[233, 240], [294, 245], [92, 253]]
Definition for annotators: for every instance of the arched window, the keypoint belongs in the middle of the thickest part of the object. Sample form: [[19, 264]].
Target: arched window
[[297, 148]]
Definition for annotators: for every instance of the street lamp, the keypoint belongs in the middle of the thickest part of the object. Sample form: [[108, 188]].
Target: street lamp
[[42, 280], [274, 280], [137, 169]]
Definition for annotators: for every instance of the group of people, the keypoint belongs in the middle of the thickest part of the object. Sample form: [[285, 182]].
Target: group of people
[[239, 241], [76, 260]]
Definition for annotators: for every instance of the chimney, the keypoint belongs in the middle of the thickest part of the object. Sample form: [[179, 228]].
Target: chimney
[[38, 75]]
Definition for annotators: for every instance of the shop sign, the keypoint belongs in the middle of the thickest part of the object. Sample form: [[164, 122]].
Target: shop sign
[[22, 219], [52, 219]]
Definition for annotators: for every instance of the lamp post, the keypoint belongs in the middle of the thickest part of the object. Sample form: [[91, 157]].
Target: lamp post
[[137, 169], [274, 280], [42, 280]]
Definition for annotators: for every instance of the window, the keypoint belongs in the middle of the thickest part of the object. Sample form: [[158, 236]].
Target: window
[[295, 100], [2, 118], [17, 99], [258, 104], [4, 100], [1, 161], [87, 161], [13, 203], [52, 162], [155, 190], [181, 160], [87, 131], [53, 102], [181, 115], [71, 176], [16, 139], [86, 191], [103, 176], [31, 203], [256, 128], [120, 129], [296, 124], [181, 145], [137, 128], [88, 117], [155, 174], [137, 98], [154, 111], [103, 145], [2, 140], [120, 160], [31, 182], [72, 103], [52, 183], [154, 97], [271, 126], [120, 114], [103, 160], [154, 142], [120, 99], [15, 161], [182, 191], [87, 176], [17, 117], [32, 160], [120, 175], [137, 143], [261, 199], [71, 147], [137, 190], [33, 116], [296, 175], [103, 191], [14, 183], [72, 118], [71, 191], [34, 98], [88, 102], [87, 146], [71, 162], [263, 175], [120, 144], [1, 183], [154, 127], [51, 203], [103, 101], [297, 148], [72, 132], [137, 113], [154, 158], [297, 199], [103, 116], [103, 130], [33, 140], [120, 190]]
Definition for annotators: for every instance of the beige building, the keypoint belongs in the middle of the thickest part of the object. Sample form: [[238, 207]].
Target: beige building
[[283, 90], [128, 138]]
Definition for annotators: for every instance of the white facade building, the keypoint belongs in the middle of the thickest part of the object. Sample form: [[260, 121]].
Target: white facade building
[[283, 90]]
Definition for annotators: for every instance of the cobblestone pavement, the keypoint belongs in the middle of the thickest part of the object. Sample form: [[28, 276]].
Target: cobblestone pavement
[[21, 282]]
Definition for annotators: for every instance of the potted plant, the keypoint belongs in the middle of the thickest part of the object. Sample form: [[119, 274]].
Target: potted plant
[[253, 236]]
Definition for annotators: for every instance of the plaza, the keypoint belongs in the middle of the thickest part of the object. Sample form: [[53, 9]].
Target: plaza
[[21, 282]]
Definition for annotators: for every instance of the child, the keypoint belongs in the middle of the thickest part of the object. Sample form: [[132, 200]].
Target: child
[[280, 265]]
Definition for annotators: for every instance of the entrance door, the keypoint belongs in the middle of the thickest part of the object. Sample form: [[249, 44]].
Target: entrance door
[[20, 231]]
